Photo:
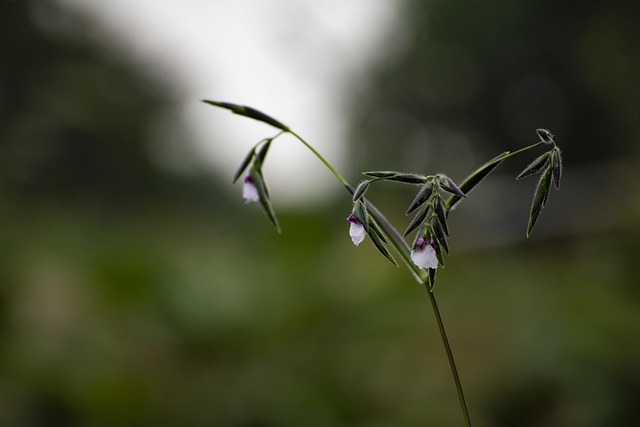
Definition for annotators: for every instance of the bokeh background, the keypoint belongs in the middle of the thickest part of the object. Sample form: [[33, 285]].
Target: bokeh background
[[137, 289]]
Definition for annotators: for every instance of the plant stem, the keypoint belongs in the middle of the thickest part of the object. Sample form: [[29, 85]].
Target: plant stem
[[452, 361], [323, 160], [419, 274]]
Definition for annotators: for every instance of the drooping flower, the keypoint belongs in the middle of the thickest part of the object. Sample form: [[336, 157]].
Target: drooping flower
[[423, 255], [356, 230], [249, 190]]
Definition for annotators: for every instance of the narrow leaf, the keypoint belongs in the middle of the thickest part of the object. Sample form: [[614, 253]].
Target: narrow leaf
[[432, 278], [417, 220], [440, 236], [360, 212], [556, 164], [448, 185], [423, 195], [360, 190], [263, 193], [248, 112], [536, 166], [377, 241], [408, 178], [475, 178], [539, 200], [380, 174], [264, 147], [441, 214], [243, 165], [439, 255], [375, 229]]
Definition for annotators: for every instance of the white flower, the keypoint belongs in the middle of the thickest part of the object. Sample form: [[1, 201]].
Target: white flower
[[356, 230], [423, 255], [249, 190]]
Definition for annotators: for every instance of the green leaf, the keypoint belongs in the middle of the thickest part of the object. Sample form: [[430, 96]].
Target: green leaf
[[536, 166], [439, 255], [448, 185], [475, 178], [417, 220], [375, 229], [556, 164], [264, 147], [440, 236], [360, 190], [408, 178], [252, 113], [432, 278], [360, 212], [423, 195], [263, 194], [539, 199], [380, 174], [243, 165], [438, 207], [377, 241]]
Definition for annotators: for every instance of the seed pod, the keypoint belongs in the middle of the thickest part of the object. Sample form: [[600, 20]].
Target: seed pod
[[556, 164], [539, 199], [377, 242]]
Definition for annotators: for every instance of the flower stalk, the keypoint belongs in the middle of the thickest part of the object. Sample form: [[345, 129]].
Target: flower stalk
[[424, 256]]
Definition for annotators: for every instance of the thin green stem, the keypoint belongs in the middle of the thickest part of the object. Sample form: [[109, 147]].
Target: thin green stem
[[419, 274], [322, 159], [452, 360]]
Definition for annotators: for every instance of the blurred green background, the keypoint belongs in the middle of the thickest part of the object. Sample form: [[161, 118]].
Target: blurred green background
[[134, 295]]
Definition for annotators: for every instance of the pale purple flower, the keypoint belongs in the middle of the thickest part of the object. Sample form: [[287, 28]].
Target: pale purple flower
[[423, 255], [356, 230], [249, 190]]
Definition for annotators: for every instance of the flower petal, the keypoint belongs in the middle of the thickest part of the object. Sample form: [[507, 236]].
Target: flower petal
[[357, 232], [249, 190], [425, 257]]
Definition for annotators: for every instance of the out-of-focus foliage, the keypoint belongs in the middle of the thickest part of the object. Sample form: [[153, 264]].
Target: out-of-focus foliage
[[130, 296], [472, 78]]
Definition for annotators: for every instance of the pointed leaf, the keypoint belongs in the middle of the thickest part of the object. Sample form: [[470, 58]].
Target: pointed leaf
[[380, 174], [448, 185], [360, 190], [376, 239], [375, 229], [360, 212], [438, 207], [243, 165], [440, 236], [417, 220], [263, 193], [264, 147], [432, 278], [397, 176], [439, 255], [545, 136], [408, 178], [536, 166], [423, 195], [252, 113], [556, 164], [539, 200], [475, 178]]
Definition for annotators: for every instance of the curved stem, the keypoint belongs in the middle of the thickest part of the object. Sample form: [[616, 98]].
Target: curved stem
[[452, 361], [323, 160]]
